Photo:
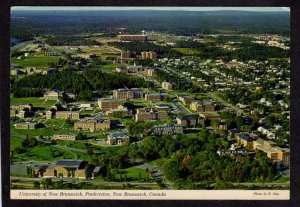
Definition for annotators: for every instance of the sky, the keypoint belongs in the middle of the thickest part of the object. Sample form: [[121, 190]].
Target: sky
[[70, 8]]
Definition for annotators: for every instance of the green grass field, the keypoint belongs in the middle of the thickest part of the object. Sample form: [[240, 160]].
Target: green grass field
[[35, 101], [112, 66], [15, 142], [39, 62]]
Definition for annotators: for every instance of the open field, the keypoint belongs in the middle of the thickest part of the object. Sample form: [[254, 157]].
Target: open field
[[15, 142], [35, 101], [187, 51], [40, 62]]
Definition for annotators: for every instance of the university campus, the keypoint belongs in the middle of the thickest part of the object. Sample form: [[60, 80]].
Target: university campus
[[150, 99]]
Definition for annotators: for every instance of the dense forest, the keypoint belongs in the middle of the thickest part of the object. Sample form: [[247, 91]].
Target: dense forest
[[82, 85], [247, 50], [193, 159], [70, 40]]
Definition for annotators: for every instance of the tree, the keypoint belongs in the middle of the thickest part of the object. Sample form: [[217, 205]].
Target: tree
[[36, 185], [171, 170], [46, 183]]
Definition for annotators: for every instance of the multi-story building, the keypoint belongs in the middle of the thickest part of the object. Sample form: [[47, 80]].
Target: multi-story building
[[67, 168], [151, 72], [151, 55], [92, 124], [186, 99], [68, 137], [118, 112], [126, 54], [132, 38], [49, 114], [272, 151], [67, 115], [106, 104], [202, 106], [133, 93], [246, 139], [156, 97], [166, 129], [166, 85], [191, 120], [117, 138], [148, 114], [26, 125]]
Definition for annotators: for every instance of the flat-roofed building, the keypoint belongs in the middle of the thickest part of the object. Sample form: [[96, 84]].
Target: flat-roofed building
[[49, 114], [272, 151], [26, 125], [151, 72], [166, 85], [151, 55], [117, 138], [202, 106], [68, 137], [156, 97], [126, 54], [106, 104], [68, 168], [133, 93], [185, 99], [67, 115], [148, 114], [132, 38], [92, 124]]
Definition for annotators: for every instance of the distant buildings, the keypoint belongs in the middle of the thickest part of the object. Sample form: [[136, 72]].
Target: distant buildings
[[133, 93], [151, 55], [132, 38], [92, 124], [117, 138], [156, 97], [166, 85], [147, 114], [118, 112], [68, 137], [126, 54], [150, 72], [106, 104], [26, 125], [67, 168], [166, 129], [202, 106]]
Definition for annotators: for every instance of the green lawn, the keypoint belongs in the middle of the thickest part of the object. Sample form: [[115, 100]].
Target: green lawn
[[35, 101], [187, 51], [39, 62], [112, 66], [15, 142]]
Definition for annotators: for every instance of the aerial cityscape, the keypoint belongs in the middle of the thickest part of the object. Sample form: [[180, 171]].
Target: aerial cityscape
[[150, 99]]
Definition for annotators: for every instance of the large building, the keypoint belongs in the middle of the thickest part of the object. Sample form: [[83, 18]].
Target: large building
[[68, 137], [67, 168], [202, 106], [55, 95], [117, 138], [156, 97], [133, 93], [151, 55], [106, 104], [191, 120], [92, 124], [67, 115], [26, 125], [148, 114], [166, 129], [118, 112], [185, 99], [132, 38]]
